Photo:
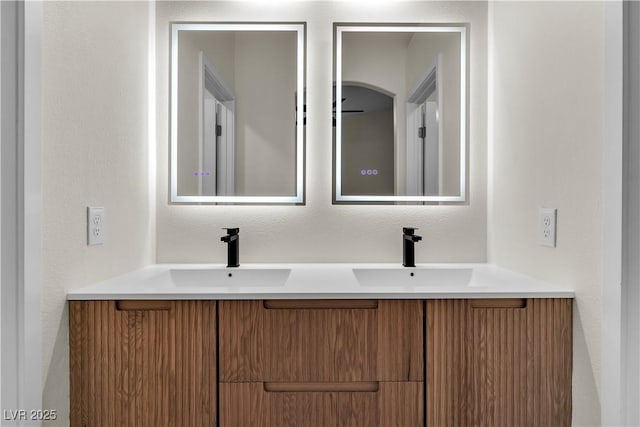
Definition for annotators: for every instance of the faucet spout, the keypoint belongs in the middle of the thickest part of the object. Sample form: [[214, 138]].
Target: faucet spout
[[229, 238]]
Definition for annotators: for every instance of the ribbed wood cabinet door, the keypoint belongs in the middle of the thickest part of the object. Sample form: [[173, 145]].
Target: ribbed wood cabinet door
[[499, 362], [143, 363], [321, 340], [391, 404]]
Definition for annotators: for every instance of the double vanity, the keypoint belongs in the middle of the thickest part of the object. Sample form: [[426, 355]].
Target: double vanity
[[321, 344]]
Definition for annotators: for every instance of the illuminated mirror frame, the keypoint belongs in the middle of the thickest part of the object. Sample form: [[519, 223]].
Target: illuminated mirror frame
[[300, 30], [339, 29]]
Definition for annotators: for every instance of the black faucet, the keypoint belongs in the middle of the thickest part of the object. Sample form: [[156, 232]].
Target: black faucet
[[233, 242], [408, 249]]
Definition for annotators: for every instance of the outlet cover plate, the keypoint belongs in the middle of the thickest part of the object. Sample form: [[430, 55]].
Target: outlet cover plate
[[95, 226], [547, 227]]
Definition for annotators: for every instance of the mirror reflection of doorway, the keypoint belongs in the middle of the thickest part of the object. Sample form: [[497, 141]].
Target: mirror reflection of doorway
[[218, 148], [423, 68], [368, 135], [424, 154], [217, 137], [369, 139]]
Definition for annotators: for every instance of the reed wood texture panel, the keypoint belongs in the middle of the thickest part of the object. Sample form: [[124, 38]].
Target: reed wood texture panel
[[497, 366], [151, 366], [321, 344], [395, 404]]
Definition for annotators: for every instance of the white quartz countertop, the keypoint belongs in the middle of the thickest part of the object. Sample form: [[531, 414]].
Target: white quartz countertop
[[322, 281]]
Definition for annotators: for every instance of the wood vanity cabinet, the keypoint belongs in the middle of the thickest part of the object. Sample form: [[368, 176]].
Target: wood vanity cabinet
[[391, 363], [499, 362], [145, 363], [321, 363]]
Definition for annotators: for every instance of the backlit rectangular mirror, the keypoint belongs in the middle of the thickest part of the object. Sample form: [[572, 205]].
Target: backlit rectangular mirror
[[400, 113], [237, 127]]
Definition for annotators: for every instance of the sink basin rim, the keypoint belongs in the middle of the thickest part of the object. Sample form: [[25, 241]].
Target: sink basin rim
[[414, 276], [228, 277]]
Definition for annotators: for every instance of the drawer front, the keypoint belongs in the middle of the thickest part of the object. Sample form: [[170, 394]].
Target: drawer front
[[315, 340], [384, 404]]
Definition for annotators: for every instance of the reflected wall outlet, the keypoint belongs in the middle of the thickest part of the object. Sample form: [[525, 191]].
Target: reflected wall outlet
[[95, 226], [547, 227]]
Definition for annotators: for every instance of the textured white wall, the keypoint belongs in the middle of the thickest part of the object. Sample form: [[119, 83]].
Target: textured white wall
[[319, 231], [548, 132], [94, 153]]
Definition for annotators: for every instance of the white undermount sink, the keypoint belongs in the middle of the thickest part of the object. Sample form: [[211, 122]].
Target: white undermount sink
[[229, 277], [413, 276]]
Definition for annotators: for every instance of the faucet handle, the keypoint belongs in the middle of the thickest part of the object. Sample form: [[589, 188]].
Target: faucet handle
[[409, 230], [232, 231]]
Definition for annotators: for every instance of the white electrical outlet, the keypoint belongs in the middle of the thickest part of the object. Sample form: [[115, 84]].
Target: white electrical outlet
[[95, 226], [547, 227]]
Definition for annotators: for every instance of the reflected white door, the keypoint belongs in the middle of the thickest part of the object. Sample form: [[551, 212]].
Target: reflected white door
[[431, 151], [209, 151], [217, 176], [424, 145], [226, 149], [415, 143], [423, 149]]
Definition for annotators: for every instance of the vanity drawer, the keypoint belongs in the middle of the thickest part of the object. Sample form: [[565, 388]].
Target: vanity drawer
[[321, 340], [384, 404]]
